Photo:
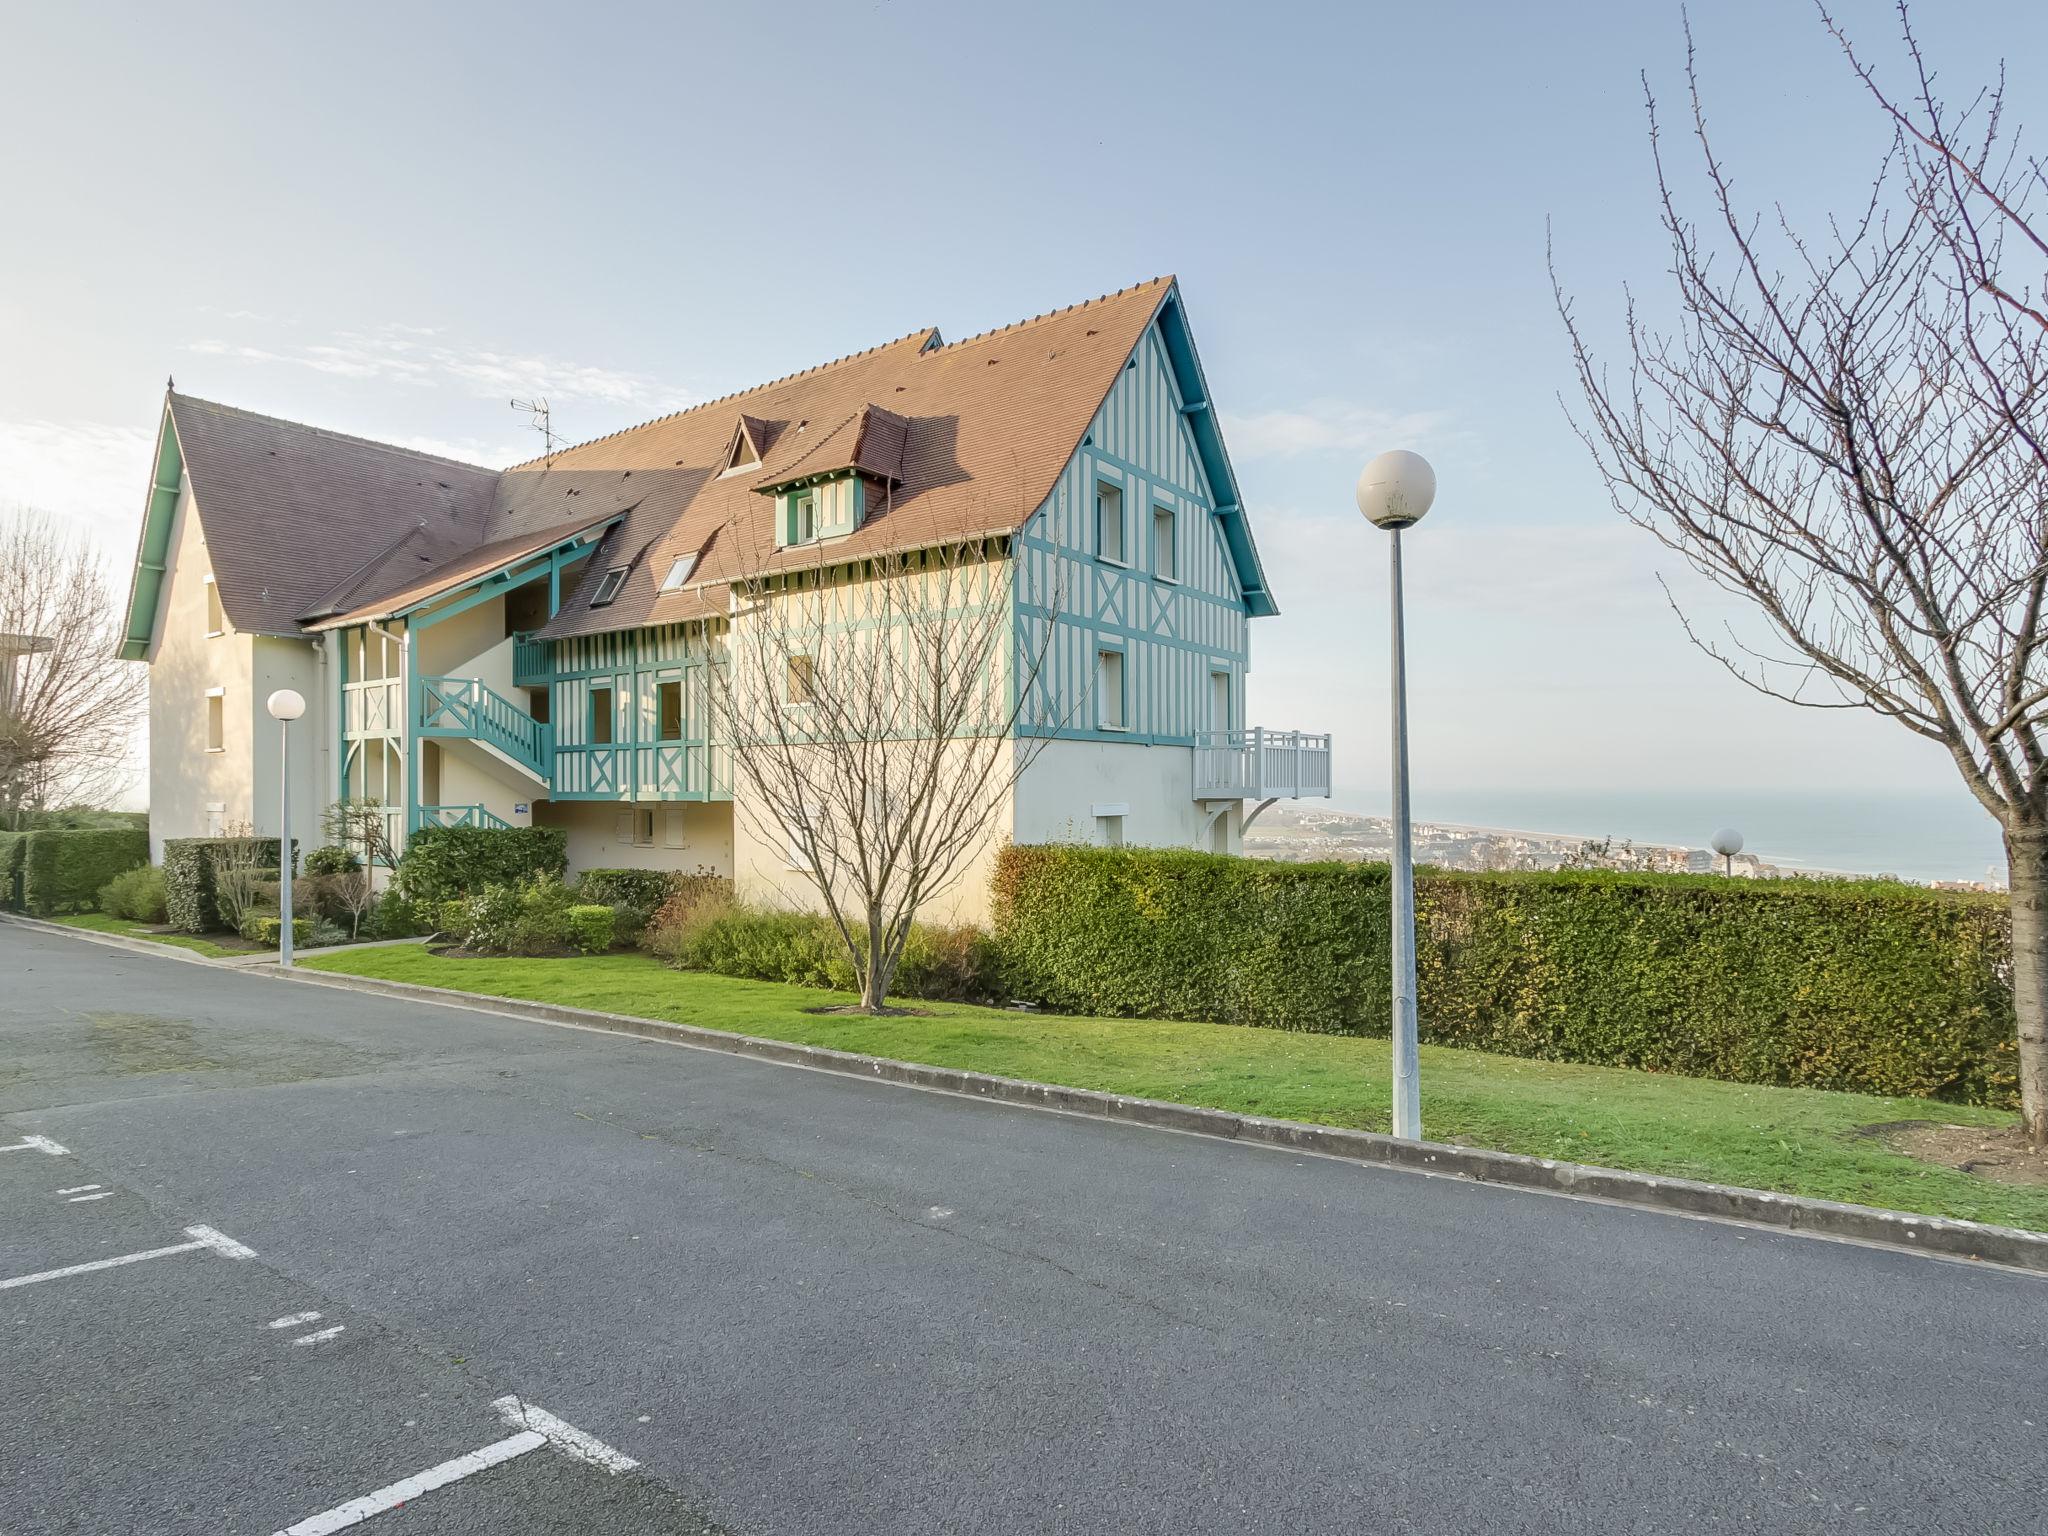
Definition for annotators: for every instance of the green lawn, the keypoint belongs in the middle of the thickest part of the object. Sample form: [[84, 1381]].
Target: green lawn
[[1797, 1140], [99, 922]]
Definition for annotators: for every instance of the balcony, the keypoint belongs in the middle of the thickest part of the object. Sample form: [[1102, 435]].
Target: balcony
[[1259, 764], [463, 707], [669, 770], [531, 667], [374, 708]]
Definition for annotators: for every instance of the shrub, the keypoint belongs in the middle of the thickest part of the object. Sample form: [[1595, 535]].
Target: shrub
[[12, 846], [332, 859], [394, 917], [63, 871], [267, 929], [440, 862], [529, 919], [136, 894], [948, 964], [799, 948], [685, 897], [1866, 985], [592, 929], [326, 933], [191, 896]]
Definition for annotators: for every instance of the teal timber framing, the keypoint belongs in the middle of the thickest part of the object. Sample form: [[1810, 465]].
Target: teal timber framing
[[153, 550], [1176, 627], [636, 765]]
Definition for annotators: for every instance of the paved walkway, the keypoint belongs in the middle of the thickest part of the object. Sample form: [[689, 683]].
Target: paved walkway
[[803, 1303]]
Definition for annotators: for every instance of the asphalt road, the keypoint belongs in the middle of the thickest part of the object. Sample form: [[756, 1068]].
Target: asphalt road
[[806, 1303]]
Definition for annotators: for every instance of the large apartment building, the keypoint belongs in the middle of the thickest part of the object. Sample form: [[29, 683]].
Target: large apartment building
[[537, 645]]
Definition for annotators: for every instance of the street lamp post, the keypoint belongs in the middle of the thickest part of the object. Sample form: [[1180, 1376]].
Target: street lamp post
[[285, 706], [1394, 491]]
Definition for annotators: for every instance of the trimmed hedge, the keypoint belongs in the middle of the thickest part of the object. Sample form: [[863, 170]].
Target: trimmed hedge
[[12, 846], [63, 871], [592, 928], [444, 862], [1865, 985], [191, 902]]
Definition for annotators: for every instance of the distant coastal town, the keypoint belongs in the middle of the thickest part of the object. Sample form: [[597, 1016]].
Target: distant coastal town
[[1300, 833]]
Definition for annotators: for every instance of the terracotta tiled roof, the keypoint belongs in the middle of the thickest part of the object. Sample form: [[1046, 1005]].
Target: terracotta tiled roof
[[988, 424], [312, 527], [290, 511]]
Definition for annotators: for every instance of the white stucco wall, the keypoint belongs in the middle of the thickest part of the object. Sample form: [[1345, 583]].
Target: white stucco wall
[[186, 781], [278, 662], [703, 829], [1057, 794]]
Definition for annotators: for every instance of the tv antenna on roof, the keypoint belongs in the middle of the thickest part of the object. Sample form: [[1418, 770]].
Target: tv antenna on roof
[[537, 408]]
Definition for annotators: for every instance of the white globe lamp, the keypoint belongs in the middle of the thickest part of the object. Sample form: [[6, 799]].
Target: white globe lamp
[[1396, 489], [1727, 842]]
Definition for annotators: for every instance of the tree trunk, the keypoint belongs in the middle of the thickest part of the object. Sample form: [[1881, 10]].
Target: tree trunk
[[875, 977], [2026, 855]]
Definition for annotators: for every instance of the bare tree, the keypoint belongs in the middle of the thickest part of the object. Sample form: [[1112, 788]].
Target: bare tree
[[1844, 428], [871, 711], [68, 708]]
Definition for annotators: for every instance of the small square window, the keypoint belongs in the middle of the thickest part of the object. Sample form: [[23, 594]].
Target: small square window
[[1109, 679], [643, 826], [802, 682], [608, 587], [668, 711], [216, 722], [1165, 551], [216, 621], [1109, 521], [679, 572], [1109, 831], [601, 717]]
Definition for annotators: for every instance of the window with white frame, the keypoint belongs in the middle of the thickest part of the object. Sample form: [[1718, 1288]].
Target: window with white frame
[[608, 587], [1110, 711], [643, 826], [801, 684], [1109, 521], [803, 517], [679, 572], [1109, 831], [1165, 545], [216, 621], [216, 719]]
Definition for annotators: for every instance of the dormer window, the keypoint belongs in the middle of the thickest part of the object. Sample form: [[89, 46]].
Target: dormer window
[[608, 588], [743, 453], [679, 572], [803, 517]]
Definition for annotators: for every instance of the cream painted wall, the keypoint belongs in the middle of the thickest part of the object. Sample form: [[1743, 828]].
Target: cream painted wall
[[1057, 794], [187, 782], [704, 828], [469, 777], [278, 662]]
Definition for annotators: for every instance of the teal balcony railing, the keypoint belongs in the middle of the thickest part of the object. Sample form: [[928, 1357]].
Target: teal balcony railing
[[460, 816], [462, 706], [531, 667]]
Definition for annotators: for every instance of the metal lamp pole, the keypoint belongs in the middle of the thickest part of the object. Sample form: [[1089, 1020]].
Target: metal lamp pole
[[285, 706], [1393, 493]]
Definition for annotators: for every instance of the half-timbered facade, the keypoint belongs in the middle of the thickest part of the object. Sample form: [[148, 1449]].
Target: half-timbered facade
[[542, 644]]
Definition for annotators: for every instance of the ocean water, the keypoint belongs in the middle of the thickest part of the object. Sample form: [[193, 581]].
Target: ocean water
[[1917, 835]]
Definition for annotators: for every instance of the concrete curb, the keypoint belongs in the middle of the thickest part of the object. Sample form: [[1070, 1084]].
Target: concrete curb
[[1863, 1224], [113, 940]]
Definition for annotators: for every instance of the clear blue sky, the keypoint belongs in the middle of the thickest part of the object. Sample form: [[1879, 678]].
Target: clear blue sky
[[388, 219]]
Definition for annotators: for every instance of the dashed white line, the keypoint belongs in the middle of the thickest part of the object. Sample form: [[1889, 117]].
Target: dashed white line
[[356, 1511], [293, 1320], [566, 1437], [202, 1237], [102, 1195], [38, 1144], [77, 1189], [322, 1336]]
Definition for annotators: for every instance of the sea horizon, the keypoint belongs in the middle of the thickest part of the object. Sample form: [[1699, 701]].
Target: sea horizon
[[1915, 834]]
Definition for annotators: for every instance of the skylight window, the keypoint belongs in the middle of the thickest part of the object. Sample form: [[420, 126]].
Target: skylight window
[[679, 572], [608, 588]]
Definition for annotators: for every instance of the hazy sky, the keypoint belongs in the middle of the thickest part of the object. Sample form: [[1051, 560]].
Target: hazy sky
[[388, 219]]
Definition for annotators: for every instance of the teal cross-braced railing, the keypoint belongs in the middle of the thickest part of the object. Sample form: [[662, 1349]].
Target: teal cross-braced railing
[[463, 706], [460, 816]]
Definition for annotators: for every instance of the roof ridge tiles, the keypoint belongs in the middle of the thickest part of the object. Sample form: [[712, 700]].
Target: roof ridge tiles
[[729, 396], [328, 432], [1052, 314]]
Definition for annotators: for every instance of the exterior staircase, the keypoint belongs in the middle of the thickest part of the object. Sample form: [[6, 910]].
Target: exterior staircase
[[464, 709]]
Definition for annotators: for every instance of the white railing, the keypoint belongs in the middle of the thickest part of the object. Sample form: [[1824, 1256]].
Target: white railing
[[1259, 764], [375, 708]]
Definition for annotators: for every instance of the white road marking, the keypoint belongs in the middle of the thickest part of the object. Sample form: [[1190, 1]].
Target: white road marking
[[38, 1144], [102, 1195], [77, 1189], [322, 1336], [356, 1511], [202, 1237], [565, 1437], [295, 1319]]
